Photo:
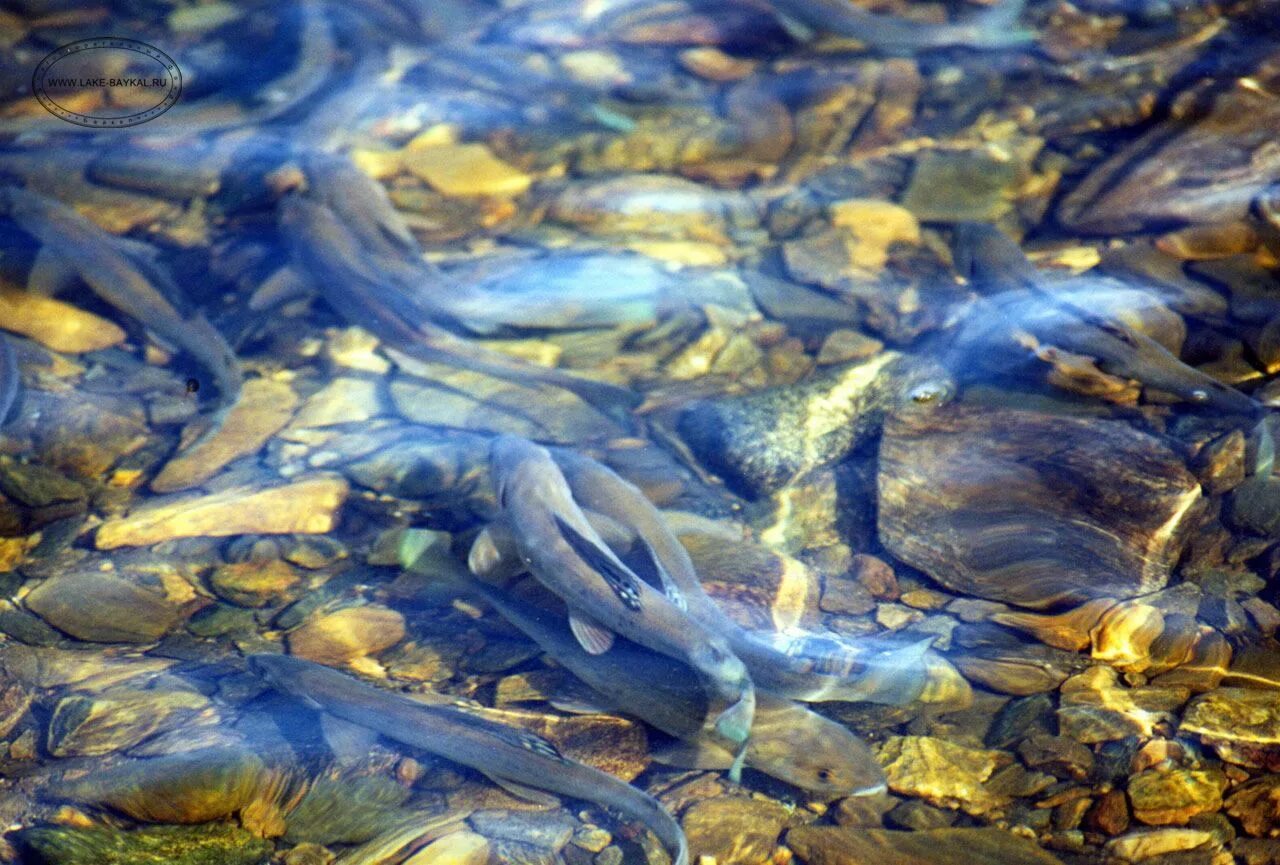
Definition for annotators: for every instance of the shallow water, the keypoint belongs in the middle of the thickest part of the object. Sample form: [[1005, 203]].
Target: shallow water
[[948, 365]]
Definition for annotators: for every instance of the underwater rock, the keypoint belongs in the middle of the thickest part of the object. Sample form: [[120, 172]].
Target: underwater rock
[[1020, 670], [263, 409], [1162, 798], [734, 830], [107, 607], [56, 324], [1256, 804], [758, 587], [840, 845], [456, 848], [762, 442], [1147, 844], [1241, 724], [342, 808], [461, 170], [307, 506], [120, 718], [192, 787], [942, 772], [219, 843], [1032, 509], [1094, 707], [253, 584], [962, 185], [336, 637]]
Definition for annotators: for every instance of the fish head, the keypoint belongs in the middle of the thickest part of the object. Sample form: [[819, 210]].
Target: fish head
[[923, 384], [797, 745], [511, 458]]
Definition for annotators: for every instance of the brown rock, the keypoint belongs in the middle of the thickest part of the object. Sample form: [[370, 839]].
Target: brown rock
[[307, 506], [334, 638], [1030, 508], [1110, 814], [253, 584], [55, 323], [263, 409], [1256, 805], [107, 607], [942, 772], [838, 845], [877, 575], [1174, 797], [734, 830]]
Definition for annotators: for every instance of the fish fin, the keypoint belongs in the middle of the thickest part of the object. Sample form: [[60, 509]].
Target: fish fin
[[644, 562], [595, 639], [576, 705], [484, 559], [735, 771], [50, 274], [693, 755], [349, 741], [795, 28], [624, 583], [528, 794]]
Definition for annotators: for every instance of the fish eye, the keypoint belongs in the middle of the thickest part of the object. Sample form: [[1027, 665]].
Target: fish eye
[[1199, 395], [824, 775]]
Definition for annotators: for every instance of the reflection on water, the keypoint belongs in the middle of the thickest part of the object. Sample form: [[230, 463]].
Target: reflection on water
[[613, 432]]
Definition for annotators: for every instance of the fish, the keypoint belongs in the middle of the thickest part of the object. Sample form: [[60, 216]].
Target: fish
[[604, 597], [122, 276], [10, 380], [995, 28], [894, 676], [1057, 313], [515, 759], [343, 231], [788, 741]]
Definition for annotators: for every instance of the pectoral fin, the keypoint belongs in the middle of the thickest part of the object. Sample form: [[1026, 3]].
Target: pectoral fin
[[693, 755], [50, 273], [493, 554], [594, 638], [349, 742], [528, 794], [625, 584]]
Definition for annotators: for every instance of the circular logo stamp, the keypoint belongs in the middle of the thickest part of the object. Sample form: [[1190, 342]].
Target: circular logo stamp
[[107, 82]]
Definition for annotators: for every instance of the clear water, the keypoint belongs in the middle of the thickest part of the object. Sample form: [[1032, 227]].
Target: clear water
[[919, 366]]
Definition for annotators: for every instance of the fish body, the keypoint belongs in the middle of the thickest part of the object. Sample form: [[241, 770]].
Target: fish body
[[10, 380], [894, 676], [992, 29], [124, 279], [788, 741], [343, 230], [449, 730], [605, 597], [1061, 314]]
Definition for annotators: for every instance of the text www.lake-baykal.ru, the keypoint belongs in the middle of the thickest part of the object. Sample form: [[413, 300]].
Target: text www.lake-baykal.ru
[[107, 82]]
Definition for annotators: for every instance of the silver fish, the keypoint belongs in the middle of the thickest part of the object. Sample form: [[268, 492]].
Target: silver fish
[[604, 596], [10, 380], [994, 28], [1058, 313], [788, 741], [117, 273], [515, 759], [343, 230], [895, 676]]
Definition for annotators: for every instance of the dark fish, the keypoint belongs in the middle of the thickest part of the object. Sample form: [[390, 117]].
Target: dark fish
[[513, 758], [1061, 314], [124, 278], [344, 232], [994, 28], [604, 597], [787, 740], [892, 676], [10, 381]]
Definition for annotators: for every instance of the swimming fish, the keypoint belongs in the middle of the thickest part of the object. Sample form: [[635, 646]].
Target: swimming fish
[[1058, 313], [342, 229], [515, 759], [994, 28], [10, 381], [895, 676], [604, 597], [788, 741], [121, 275]]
